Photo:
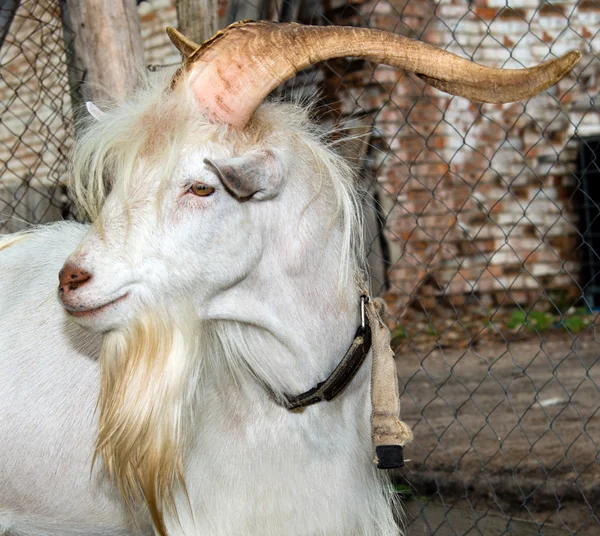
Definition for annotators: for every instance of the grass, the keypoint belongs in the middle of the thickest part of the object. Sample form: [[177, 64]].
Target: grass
[[408, 493], [540, 322]]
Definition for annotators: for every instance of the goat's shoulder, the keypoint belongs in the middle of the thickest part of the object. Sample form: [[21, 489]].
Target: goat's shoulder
[[30, 261], [35, 250]]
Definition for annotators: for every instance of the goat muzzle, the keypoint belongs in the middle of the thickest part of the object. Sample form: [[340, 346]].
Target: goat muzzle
[[71, 277]]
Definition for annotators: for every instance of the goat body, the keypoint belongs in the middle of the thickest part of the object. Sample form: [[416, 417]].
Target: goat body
[[191, 304]]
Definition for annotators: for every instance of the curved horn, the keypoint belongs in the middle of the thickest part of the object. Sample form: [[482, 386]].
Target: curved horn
[[235, 70], [185, 46]]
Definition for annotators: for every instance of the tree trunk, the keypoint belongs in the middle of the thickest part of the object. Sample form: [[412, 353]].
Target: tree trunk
[[198, 20], [104, 48]]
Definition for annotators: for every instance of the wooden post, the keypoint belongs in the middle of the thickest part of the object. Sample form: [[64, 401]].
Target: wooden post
[[198, 20], [104, 49]]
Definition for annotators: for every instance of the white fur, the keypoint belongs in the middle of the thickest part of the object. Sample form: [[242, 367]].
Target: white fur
[[48, 392], [273, 286]]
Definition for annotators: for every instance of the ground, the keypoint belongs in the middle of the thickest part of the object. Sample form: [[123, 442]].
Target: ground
[[509, 428]]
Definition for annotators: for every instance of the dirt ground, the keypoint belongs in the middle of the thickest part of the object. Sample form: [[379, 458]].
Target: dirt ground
[[507, 427]]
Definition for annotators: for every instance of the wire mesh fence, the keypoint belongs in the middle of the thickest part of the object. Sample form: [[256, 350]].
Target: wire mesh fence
[[35, 114], [485, 238]]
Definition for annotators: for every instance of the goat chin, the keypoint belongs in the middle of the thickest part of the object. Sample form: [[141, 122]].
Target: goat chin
[[148, 373]]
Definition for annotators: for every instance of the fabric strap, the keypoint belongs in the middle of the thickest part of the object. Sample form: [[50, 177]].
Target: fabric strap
[[389, 434]]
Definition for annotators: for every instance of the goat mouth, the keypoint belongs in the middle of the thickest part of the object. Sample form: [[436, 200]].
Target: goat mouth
[[88, 312]]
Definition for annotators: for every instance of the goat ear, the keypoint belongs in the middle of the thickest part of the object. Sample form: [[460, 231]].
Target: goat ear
[[255, 175], [94, 111]]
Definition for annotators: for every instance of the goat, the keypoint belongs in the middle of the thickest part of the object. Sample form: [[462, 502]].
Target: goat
[[221, 274]]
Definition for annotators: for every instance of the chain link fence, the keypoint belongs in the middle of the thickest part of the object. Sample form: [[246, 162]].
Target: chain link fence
[[485, 233], [35, 114]]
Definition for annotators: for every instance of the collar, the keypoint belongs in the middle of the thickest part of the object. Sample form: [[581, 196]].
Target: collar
[[342, 375]]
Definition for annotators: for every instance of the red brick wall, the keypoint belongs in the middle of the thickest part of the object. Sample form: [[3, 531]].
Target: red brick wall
[[479, 196], [155, 16]]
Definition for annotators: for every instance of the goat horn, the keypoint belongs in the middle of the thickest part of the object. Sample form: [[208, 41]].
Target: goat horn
[[236, 69], [186, 46]]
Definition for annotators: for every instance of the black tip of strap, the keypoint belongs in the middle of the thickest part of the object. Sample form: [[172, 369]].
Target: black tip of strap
[[389, 456]]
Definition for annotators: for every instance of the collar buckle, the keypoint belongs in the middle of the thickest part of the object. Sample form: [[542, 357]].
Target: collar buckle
[[364, 299]]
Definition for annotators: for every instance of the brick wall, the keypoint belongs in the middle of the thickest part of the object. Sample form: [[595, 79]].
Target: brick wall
[[155, 16], [479, 198]]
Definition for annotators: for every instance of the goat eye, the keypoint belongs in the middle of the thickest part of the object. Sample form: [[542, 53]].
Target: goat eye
[[202, 190]]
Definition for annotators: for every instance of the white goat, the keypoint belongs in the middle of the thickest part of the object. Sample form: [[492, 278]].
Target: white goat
[[223, 272]]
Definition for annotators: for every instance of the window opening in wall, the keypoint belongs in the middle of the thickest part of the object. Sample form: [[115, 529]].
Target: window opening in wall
[[588, 163]]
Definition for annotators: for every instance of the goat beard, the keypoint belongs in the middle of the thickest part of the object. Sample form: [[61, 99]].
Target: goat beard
[[149, 375]]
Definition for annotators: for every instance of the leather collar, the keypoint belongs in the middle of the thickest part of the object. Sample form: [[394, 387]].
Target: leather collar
[[342, 375]]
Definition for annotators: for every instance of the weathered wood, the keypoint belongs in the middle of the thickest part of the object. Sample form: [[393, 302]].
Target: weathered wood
[[104, 45], [197, 19]]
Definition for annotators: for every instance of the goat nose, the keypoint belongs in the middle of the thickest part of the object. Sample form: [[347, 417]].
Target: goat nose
[[72, 277]]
